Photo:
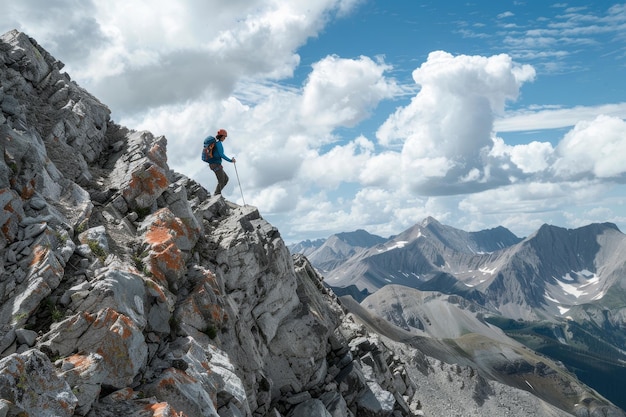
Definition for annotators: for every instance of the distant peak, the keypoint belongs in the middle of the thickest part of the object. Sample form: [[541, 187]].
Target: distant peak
[[591, 226], [359, 237], [612, 226], [429, 220]]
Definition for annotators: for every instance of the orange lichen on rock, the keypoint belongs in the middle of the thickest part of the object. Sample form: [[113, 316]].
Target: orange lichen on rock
[[11, 204], [145, 186], [167, 263], [158, 177], [80, 361], [177, 377], [166, 260], [66, 405], [163, 410], [158, 235], [39, 254], [89, 318], [106, 318], [148, 181], [205, 304], [216, 312], [158, 154], [206, 366], [167, 381], [123, 394], [117, 337], [122, 326], [28, 190], [165, 221], [118, 323]]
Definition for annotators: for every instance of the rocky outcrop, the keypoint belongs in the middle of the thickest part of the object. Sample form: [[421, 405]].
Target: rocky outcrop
[[126, 289]]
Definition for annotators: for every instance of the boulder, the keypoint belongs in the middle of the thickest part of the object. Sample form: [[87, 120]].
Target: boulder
[[84, 374], [29, 384], [107, 333]]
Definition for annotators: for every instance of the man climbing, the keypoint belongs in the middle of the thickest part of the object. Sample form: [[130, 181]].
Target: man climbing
[[213, 154]]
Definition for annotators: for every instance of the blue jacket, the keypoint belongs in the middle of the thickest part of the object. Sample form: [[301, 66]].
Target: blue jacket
[[218, 154]]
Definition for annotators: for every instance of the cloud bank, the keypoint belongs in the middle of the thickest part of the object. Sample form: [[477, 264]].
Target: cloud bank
[[184, 69]]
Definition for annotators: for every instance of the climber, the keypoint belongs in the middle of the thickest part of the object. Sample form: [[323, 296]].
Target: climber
[[213, 153]]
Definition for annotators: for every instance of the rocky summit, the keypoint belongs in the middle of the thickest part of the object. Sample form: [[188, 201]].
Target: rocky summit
[[127, 290]]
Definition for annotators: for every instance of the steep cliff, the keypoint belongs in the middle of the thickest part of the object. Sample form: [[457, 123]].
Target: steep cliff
[[126, 289]]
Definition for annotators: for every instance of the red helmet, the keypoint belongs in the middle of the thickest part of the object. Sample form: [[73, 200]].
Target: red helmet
[[222, 132]]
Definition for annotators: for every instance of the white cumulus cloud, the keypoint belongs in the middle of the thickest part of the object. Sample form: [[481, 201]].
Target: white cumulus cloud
[[446, 130], [593, 148]]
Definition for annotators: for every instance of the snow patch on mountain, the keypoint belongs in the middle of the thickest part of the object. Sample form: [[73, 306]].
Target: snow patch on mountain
[[489, 271], [397, 245], [575, 288]]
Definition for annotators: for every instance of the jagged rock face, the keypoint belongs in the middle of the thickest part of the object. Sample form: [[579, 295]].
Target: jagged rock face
[[125, 289]]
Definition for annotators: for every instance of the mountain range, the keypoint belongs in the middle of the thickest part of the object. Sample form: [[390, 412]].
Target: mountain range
[[558, 291], [547, 274]]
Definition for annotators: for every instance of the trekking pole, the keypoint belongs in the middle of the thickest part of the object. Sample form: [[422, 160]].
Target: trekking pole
[[239, 182]]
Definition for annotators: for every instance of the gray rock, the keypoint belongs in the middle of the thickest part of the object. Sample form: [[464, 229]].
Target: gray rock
[[310, 408], [97, 236], [85, 375], [22, 379], [37, 203], [335, 404], [375, 401], [26, 337]]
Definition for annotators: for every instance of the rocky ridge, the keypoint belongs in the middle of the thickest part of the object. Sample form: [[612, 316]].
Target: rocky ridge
[[126, 289]]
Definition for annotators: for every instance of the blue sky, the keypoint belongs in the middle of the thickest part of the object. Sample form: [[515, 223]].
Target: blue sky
[[347, 114], [574, 57]]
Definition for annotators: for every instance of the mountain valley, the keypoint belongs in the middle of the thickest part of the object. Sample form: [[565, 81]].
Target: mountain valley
[[560, 292]]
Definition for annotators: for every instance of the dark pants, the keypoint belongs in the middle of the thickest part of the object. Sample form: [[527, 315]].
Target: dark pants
[[222, 178]]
